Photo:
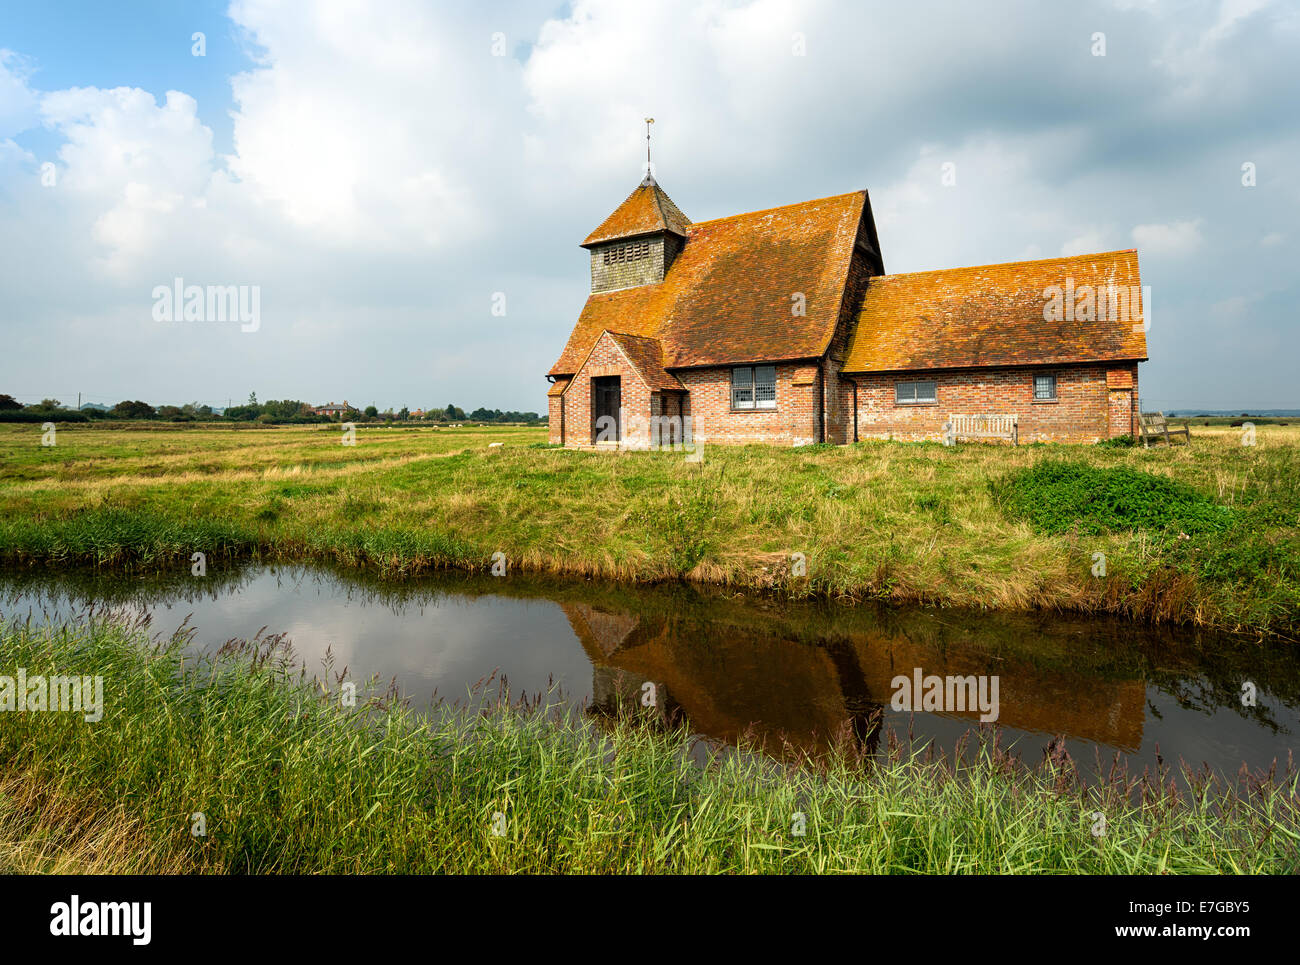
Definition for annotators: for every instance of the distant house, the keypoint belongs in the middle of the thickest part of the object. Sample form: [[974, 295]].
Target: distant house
[[781, 326], [331, 409], [417, 413]]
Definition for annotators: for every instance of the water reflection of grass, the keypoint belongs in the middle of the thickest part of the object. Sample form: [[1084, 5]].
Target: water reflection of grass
[[288, 781]]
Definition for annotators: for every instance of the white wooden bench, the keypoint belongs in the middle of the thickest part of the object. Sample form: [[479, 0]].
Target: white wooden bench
[[1154, 425], [983, 427]]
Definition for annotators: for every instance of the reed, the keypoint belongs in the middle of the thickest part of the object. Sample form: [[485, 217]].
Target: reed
[[289, 780]]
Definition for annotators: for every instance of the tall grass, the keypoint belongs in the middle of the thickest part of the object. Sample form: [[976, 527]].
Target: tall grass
[[291, 781]]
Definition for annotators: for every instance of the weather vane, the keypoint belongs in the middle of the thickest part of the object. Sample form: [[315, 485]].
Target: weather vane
[[648, 122]]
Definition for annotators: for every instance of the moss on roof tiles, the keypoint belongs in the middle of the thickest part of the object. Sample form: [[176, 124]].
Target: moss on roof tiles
[[647, 357], [728, 296], [647, 210], [993, 315]]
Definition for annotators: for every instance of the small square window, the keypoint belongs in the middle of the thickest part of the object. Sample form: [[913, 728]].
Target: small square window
[[1044, 388], [753, 387]]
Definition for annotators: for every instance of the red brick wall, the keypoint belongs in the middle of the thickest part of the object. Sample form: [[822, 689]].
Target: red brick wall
[[579, 421], [1123, 384], [792, 422], [555, 407], [1084, 410], [1087, 407]]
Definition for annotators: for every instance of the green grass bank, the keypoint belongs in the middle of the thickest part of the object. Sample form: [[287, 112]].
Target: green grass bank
[[1205, 534], [290, 781]]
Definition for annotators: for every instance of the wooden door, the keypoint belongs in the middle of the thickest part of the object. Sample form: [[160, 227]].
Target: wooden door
[[606, 408]]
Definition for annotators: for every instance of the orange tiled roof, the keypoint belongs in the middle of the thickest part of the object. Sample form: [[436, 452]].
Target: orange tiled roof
[[647, 210], [727, 296], [647, 357], [992, 315], [558, 387]]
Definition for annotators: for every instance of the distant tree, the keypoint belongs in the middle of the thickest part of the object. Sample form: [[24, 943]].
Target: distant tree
[[371, 412], [404, 413], [282, 410], [50, 404], [252, 399], [519, 417], [127, 409], [455, 413], [9, 402], [170, 412]]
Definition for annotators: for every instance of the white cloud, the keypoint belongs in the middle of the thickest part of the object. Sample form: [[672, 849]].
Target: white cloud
[[1175, 239], [366, 137], [388, 173], [1093, 239], [925, 223], [131, 163], [14, 159], [17, 99]]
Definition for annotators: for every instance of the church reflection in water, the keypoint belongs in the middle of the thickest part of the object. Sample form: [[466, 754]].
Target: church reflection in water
[[802, 676], [727, 679]]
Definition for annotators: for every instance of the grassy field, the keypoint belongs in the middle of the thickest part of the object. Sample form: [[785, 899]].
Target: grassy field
[[287, 780], [1203, 534]]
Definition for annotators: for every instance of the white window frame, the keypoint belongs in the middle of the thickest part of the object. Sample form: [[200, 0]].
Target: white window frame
[[749, 384], [1045, 398], [914, 388]]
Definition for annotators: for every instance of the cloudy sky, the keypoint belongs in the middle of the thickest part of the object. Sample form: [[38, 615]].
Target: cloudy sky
[[382, 170]]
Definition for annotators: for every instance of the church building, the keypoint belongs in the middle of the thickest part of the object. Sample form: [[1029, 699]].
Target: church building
[[781, 326]]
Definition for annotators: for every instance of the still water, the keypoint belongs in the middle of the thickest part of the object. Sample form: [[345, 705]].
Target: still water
[[786, 674]]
